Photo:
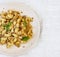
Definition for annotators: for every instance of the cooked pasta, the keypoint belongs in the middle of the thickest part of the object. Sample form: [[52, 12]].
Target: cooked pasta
[[15, 28]]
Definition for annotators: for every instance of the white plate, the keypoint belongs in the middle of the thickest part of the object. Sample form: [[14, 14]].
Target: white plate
[[27, 10]]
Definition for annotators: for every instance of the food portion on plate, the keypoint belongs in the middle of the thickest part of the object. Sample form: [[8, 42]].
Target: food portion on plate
[[15, 28]]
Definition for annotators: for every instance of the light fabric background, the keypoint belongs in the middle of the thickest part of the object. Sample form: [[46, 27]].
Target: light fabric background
[[49, 45]]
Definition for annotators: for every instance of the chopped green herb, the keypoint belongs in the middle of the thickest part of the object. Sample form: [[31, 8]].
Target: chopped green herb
[[9, 23], [25, 24], [7, 26], [25, 38]]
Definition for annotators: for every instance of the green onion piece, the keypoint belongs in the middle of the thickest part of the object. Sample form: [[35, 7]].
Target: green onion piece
[[25, 38], [7, 26]]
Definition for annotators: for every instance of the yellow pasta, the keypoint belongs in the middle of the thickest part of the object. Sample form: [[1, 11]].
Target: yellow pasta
[[17, 25], [15, 28], [17, 44], [15, 35], [3, 40], [7, 35], [3, 32], [9, 44], [9, 16], [14, 22], [14, 40]]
